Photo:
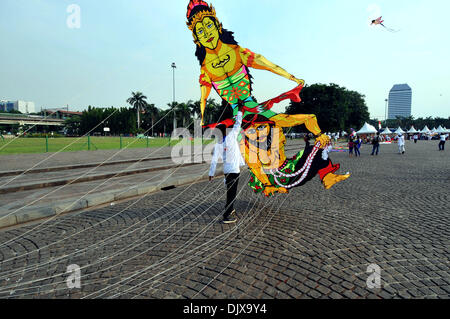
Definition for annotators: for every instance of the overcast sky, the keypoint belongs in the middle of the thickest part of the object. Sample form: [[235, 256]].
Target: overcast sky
[[124, 46]]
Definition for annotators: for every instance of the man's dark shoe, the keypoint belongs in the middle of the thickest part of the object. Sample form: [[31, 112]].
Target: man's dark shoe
[[230, 219]]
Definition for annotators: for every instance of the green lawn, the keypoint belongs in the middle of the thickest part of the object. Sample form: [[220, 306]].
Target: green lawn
[[38, 145]]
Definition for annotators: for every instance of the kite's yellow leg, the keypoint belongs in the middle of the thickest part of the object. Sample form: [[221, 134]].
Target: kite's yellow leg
[[309, 120], [331, 179], [288, 120], [270, 190]]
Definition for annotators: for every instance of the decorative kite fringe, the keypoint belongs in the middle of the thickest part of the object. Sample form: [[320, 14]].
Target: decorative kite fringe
[[305, 169], [326, 151]]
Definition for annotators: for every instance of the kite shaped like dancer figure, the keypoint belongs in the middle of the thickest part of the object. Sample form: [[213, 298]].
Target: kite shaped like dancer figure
[[225, 67], [379, 21]]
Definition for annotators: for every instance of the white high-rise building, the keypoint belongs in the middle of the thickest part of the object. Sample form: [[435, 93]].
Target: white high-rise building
[[400, 101], [21, 106]]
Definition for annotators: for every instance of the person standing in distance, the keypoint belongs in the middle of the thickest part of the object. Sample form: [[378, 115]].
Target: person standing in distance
[[442, 141], [376, 144], [401, 144], [357, 146], [228, 149], [351, 144]]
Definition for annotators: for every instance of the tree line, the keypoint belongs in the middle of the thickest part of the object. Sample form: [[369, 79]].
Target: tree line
[[419, 123], [336, 108], [153, 121]]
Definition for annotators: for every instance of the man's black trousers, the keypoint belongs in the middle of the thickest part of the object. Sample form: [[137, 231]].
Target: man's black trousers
[[232, 181]]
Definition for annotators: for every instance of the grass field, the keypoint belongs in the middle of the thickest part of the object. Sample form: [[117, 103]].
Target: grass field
[[72, 144]]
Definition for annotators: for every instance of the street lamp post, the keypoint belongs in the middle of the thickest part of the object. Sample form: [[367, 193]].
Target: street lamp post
[[173, 105], [138, 116], [385, 112]]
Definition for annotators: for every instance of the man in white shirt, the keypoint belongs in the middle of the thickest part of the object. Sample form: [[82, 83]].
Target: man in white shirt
[[228, 149], [401, 144], [442, 141]]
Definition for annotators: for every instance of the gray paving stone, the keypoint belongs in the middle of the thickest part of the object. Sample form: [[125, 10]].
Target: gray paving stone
[[70, 205], [35, 213], [99, 199], [6, 221], [181, 248]]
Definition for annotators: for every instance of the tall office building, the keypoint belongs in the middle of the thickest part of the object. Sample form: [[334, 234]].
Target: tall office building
[[21, 106], [400, 100]]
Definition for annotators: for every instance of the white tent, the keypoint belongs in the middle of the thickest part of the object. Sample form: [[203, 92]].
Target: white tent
[[387, 131], [367, 129], [440, 130], [412, 130], [399, 131], [425, 130]]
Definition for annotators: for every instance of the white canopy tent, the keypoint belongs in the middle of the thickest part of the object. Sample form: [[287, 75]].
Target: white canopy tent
[[412, 130], [399, 131], [425, 130], [440, 130], [387, 131], [367, 129]]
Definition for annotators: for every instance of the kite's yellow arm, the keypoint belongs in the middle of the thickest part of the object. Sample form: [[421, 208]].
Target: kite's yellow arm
[[260, 62], [205, 91]]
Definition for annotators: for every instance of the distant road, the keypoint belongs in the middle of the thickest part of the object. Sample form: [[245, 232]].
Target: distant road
[[23, 119]]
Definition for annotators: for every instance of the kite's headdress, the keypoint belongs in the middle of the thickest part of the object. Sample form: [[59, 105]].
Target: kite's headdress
[[254, 119], [197, 10]]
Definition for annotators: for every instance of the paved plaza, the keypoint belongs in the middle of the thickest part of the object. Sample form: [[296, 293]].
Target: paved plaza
[[391, 215]]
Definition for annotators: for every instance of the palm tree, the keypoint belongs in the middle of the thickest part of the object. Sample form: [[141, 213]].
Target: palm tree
[[192, 106], [184, 110], [138, 101], [152, 113], [195, 108], [212, 110]]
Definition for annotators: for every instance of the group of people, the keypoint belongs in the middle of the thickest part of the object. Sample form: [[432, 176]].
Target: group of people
[[354, 144], [401, 141]]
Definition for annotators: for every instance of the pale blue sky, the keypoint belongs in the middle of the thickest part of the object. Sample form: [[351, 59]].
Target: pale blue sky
[[125, 46]]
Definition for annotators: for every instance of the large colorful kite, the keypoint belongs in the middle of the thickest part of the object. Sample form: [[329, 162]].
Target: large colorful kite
[[225, 67]]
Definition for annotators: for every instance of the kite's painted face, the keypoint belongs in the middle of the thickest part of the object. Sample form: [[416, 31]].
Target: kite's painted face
[[207, 33], [258, 132]]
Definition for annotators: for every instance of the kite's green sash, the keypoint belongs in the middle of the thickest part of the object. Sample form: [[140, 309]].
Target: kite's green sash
[[237, 87]]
